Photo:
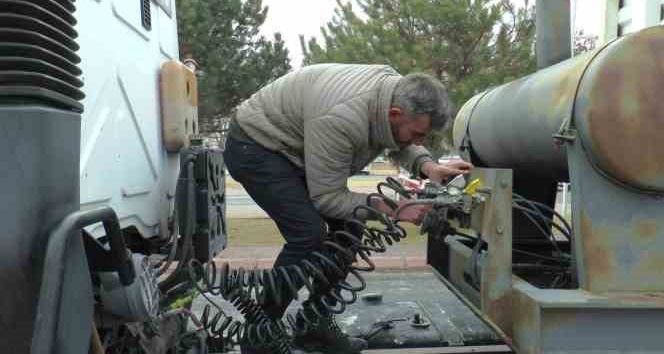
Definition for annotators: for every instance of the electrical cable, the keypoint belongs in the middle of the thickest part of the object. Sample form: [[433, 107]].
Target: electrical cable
[[537, 204], [527, 212], [535, 212], [548, 222], [187, 247], [562, 264], [536, 255], [476, 261], [515, 250]]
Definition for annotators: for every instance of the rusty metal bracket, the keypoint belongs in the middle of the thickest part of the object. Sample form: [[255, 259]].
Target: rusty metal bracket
[[496, 229], [565, 133]]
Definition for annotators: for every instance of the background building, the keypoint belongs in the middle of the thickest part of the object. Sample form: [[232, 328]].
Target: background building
[[625, 16]]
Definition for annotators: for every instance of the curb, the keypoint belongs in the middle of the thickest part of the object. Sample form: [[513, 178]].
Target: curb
[[382, 263]]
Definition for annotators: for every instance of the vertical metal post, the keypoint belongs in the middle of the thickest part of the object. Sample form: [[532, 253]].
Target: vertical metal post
[[496, 288], [553, 32]]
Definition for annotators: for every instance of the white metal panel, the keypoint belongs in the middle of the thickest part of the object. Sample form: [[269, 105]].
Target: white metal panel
[[167, 6], [168, 35], [129, 12], [123, 162]]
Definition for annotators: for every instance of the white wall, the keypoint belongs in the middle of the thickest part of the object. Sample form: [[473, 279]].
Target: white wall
[[633, 16]]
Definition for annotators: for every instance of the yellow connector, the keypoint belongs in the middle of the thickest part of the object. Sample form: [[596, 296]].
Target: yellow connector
[[472, 187]]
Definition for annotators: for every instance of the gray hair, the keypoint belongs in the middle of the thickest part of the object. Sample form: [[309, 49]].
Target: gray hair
[[418, 94]]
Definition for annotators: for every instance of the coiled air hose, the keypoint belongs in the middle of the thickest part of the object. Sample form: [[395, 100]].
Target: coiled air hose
[[344, 254]]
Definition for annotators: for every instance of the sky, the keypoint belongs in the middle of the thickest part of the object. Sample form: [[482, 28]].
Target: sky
[[294, 17]]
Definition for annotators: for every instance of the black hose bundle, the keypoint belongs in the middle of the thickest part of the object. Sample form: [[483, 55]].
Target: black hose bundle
[[233, 286], [344, 254]]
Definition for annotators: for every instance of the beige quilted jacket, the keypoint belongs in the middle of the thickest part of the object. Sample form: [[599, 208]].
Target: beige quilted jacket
[[332, 120]]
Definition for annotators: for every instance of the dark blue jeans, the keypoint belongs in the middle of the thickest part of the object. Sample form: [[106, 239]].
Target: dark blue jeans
[[279, 187]]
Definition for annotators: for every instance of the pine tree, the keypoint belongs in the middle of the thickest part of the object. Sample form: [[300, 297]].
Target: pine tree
[[234, 59], [469, 45]]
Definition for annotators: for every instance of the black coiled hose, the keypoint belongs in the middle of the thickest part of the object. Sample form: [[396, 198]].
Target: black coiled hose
[[343, 255], [222, 329]]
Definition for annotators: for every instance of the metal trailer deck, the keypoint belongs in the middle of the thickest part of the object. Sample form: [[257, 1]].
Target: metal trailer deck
[[393, 299]]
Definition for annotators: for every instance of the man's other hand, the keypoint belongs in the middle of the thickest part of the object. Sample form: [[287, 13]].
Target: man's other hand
[[442, 172], [409, 213]]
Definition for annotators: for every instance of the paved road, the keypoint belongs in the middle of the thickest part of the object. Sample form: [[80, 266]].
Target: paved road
[[239, 200]]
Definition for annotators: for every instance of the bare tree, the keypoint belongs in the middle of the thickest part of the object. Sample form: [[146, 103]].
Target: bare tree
[[584, 42]]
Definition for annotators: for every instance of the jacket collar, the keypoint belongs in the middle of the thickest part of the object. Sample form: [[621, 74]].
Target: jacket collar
[[380, 131]]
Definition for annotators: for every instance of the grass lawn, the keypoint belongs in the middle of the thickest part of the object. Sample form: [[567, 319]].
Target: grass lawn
[[366, 182], [264, 232]]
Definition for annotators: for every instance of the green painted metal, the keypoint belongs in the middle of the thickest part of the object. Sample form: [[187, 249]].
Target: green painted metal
[[576, 321], [618, 232], [619, 112], [599, 120], [512, 126]]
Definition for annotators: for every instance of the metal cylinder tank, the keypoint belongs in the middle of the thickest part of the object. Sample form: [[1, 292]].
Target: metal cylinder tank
[[608, 99]]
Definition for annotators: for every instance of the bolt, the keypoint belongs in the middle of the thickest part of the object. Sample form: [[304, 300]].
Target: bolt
[[419, 322], [500, 230], [372, 297]]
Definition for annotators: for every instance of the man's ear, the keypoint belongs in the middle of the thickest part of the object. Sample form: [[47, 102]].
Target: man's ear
[[395, 114]]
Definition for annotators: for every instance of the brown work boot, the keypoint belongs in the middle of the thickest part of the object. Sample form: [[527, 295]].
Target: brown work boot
[[328, 338]]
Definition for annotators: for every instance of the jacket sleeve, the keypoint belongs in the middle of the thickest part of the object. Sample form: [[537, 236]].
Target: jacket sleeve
[[411, 158], [328, 154]]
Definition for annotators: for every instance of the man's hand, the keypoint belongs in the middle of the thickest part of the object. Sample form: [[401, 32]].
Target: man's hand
[[412, 213], [441, 172], [409, 213]]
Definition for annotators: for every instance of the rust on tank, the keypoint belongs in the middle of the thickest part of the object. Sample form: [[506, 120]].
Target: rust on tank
[[626, 119], [598, 261], [650, 264], [656, 264], [525, 324], [563, 92], [652, 299], [646, 230], [500, 311]]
